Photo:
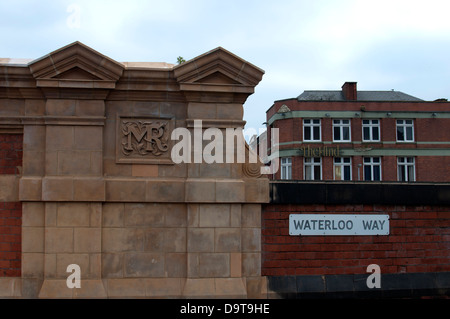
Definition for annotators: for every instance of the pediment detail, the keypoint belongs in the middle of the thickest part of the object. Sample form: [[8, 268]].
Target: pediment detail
[[218, 78], [217, 70], [284, 109], [75, 65], [76, 73]]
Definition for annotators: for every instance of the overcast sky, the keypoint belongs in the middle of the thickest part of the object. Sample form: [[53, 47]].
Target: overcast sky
[[301, 45]]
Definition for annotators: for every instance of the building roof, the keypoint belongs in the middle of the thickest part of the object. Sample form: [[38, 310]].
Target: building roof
[[395, 96]]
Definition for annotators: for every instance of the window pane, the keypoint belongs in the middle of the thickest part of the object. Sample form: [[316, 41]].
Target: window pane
[[347, 173], [346, 121], [401, 173], [409, 136], [376, 173], [307, 132], [366, 121], [346, 134], [367, 173], [411, 177], [337, 173], [308, 173], [400, 133], [366, 132], [316, 121], [306, 121], [316, 133], [316, 172], [337, 133], [375, 133]]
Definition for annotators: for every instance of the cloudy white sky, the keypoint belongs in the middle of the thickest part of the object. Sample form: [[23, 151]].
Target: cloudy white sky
[[301, 45]]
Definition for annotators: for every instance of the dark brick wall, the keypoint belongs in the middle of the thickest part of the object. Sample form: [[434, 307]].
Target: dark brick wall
[[11, 148], [419, 239]]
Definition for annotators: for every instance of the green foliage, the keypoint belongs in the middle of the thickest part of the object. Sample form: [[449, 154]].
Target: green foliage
[[180, 60]]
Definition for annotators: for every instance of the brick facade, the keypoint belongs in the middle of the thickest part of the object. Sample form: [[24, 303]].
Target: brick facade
[[10, 239], [414, 258], [428, 147], [11, 147], [419, 241]]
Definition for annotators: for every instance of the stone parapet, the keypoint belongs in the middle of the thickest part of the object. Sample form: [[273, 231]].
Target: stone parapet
[[100, 188]]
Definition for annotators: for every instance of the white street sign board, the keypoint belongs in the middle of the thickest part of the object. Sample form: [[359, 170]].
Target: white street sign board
[[338, 224]]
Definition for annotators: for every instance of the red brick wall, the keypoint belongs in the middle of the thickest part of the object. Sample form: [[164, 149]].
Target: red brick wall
[[11, 146], [419, 241], [11, 153], [433, 168], [10, 239]]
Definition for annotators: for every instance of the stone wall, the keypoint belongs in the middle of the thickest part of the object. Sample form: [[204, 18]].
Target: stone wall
[[99, 187]]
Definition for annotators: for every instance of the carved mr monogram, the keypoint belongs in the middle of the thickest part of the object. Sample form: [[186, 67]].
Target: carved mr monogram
[[144, 137], [143, 140]]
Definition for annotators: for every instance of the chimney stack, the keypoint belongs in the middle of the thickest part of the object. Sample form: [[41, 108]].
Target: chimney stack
[[349, 91]]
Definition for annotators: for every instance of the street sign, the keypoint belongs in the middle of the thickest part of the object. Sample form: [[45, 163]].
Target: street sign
[[338, 224]]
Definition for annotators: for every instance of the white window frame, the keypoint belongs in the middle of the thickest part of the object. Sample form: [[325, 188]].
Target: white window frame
[[370, 161], [371, 126], [403, 124], [286, 168], [309, 164], [405, 163], [310, 125], [339, 124], [341, 163]]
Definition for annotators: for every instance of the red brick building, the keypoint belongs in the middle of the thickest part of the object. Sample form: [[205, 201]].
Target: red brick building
[[362, 136]]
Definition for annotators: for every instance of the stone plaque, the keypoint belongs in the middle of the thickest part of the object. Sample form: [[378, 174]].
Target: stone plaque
[[142, 140]]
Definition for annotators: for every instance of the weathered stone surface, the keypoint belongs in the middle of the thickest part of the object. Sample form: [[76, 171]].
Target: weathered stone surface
[[122, 239], [200, 240], [143, 215], [251, 215], [144, 265], [30, 189], [112, 215], [33, 214], [59, 240], [227, 239], [99, 189], [214, 265], [87, 240], [33, 239], [125, 190], [214, 215], [9, 188]]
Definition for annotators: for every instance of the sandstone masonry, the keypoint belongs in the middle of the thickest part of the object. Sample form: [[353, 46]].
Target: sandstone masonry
[[98, 187]]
